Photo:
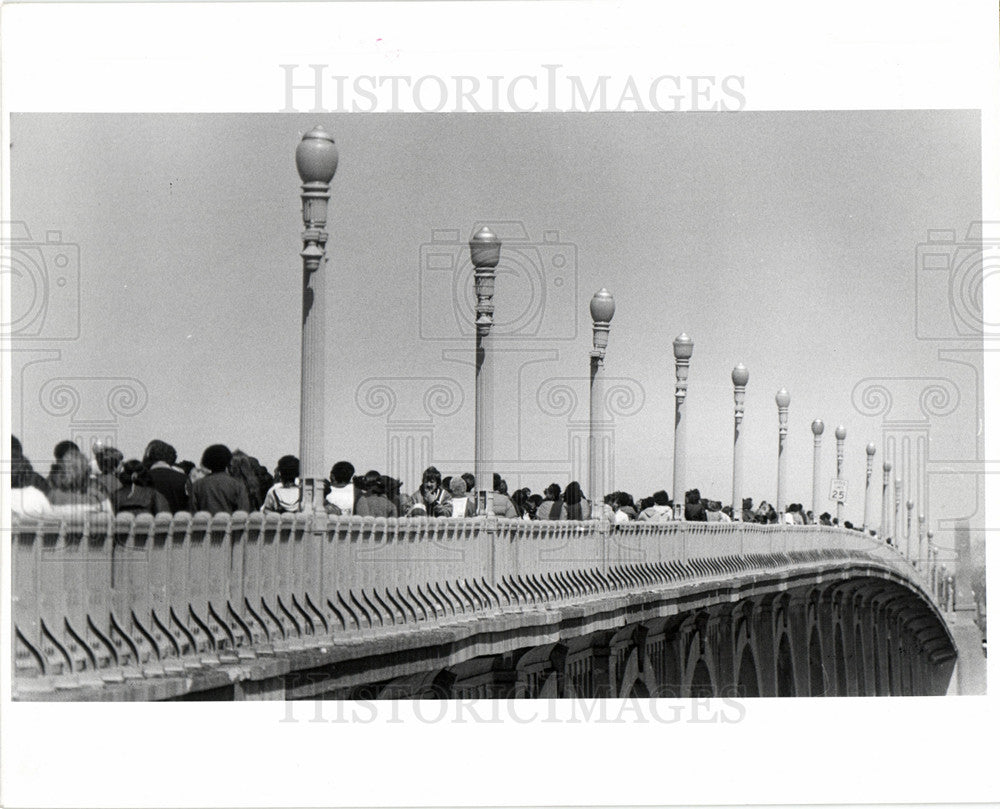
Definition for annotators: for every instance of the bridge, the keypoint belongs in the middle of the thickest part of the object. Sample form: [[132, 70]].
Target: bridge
[[300, 606]]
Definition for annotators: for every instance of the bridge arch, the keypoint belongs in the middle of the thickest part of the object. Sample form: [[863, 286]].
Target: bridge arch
[[840, 660], [817, 675], [785, 670], [747, 682]]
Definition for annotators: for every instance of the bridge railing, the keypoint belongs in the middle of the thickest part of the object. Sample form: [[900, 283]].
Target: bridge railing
[[117, 597]]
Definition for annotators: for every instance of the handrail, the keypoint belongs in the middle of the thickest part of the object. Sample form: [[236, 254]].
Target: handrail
[[112, 597]]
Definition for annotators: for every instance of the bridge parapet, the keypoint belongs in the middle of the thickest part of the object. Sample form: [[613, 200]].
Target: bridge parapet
[[158, 601]]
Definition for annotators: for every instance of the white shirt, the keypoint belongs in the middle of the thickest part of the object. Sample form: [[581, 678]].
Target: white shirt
[[29, 502], [343, 498]]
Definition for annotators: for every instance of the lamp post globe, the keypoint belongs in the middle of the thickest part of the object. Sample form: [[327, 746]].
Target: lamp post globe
[[817, 427], [316, 156], [683, 347], [484, 247], [870, 449], [840, 433], [602, 306], [740, 376], [782, 399]]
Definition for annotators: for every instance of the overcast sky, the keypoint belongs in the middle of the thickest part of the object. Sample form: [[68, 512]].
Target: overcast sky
[[786, 241]]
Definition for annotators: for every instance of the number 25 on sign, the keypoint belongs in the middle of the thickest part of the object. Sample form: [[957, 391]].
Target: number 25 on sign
[[838, 490]]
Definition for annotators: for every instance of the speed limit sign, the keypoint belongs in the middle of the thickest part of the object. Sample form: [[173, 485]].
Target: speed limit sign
[[838, 490]]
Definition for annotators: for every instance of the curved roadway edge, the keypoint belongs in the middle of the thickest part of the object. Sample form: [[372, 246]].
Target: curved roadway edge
[[354, 658]]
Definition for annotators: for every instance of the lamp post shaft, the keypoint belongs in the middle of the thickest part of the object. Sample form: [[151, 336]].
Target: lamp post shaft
[[485, 250], [602, 309], [817, 430], [683, 348], [909, 527], [897, 513], [885, 528], [870, 457], [840, 435], [316, 161], [740, 378], [921, 539], [782, 399]]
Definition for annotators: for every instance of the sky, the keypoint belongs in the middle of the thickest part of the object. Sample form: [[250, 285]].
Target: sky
[[786, 241]]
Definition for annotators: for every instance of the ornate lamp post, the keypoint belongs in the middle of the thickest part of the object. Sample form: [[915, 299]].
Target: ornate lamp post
[[683, 349], [931, 555], [316, 160], [909, 525], [740, 378], [884, 529], [484, 247], [921, 539], [782, 399], [897, 514], [841, 434], [870, 452], [934, 562], [602, 310], [817, 428]]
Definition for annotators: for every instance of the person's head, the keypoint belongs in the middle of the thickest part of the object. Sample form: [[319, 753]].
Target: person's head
[[747, 503], [391, 486], [71, 473], [184, 466], [108, 459], [661, 498], [848, 524], [288, 469], [535, 501], [573, 493], [499, 484], [21, 471], [692, 497], [457, 487], [418, 510], [430, 481], [342, 472], [216, 458], [470, 481], [157, 450], [134, 473], [553, 491], [241, 467], [64, 448], [373, 483]]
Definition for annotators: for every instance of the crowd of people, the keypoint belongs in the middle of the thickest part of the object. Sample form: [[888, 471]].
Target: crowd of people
[[228, 481]]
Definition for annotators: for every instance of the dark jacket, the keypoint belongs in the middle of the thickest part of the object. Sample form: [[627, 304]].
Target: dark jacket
[[219, 493], [138, 500], [173, 485]]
